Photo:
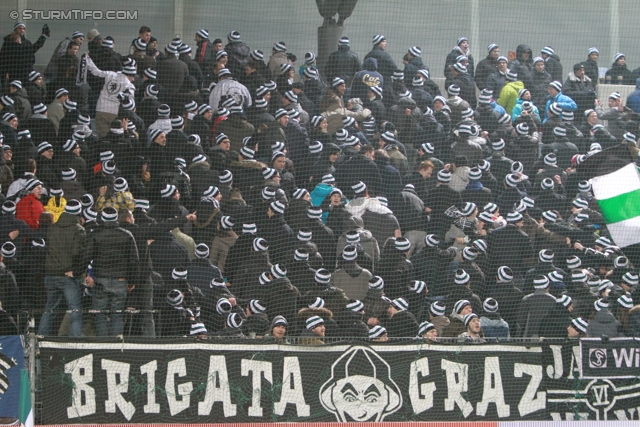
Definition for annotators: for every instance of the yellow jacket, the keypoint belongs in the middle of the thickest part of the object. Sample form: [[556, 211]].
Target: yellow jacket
[[55, 209]]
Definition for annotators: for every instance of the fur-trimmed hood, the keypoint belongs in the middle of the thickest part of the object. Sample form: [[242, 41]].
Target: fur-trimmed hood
[[574, 78], [306, 312]]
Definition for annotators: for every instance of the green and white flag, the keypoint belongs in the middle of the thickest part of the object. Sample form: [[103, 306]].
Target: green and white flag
[[618, 194], [25, 410]]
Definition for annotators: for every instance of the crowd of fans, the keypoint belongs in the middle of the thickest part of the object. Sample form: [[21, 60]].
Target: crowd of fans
[[216, 192]]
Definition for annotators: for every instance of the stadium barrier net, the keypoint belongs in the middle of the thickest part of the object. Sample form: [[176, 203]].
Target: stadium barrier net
[[390, 181]]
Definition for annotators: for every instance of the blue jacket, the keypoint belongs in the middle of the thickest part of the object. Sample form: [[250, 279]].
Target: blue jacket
[[633, 100], [517, 110], [497, 108], [320, 193], [562, 100]]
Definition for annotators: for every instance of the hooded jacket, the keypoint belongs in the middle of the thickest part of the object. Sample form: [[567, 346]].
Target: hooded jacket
[[386, 66], [509, 94], [602, 323], [363, 80], [521, 66], [563, 101], [22, 104]]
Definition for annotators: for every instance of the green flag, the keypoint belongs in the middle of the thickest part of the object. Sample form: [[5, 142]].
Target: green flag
[[618, 194], [25, 411]]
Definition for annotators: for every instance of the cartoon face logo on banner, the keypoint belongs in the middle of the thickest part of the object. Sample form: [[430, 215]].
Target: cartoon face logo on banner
[[360, 388]]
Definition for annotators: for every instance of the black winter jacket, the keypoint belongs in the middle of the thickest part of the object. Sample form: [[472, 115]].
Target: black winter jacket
[[114, 253]]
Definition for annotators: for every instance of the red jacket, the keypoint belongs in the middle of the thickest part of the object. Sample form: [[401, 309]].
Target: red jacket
[[29, 209]]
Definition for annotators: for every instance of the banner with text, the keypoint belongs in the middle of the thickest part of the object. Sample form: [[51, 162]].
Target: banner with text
[[153, 381]]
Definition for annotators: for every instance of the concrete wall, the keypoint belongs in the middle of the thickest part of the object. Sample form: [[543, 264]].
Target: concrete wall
[[570, 26]]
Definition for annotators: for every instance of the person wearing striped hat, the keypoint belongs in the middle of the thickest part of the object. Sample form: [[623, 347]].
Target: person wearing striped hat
[[350, 319], [591, 64], [312, 305], [333, 106], [487, 66], [554, 325], [313, 332], [459, 75], [402, 323], [238, 52], [35, 88], [201, 271], [378, 334], [343, 63], [385, 64], [237, 128], [509, 93], [579, 87], [121, 198], [23, 55], [205, 53], [39, 125], [232, 326], [256, 324], [603, 322], [29, 208], [438, 197], [428, 332], [65, 243], [114, 84], [500, 163], [491, 321], [115, 266], [277, 59], [510, 245], [619, 74], [535, 307], [229, 87], [552, 62], [577, 328], [474, 332], [278, 330], [614, 115], [395, 158], [459, 310], [139, 54], [558, 100], [460, 49], [496, 81], [56, 110], [351, 276], [413, 63]]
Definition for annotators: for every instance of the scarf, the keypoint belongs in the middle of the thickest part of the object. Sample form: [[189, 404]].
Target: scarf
[[81, 76]]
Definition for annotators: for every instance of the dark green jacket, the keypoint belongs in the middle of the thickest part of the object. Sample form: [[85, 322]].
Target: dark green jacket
[[65, 246]]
